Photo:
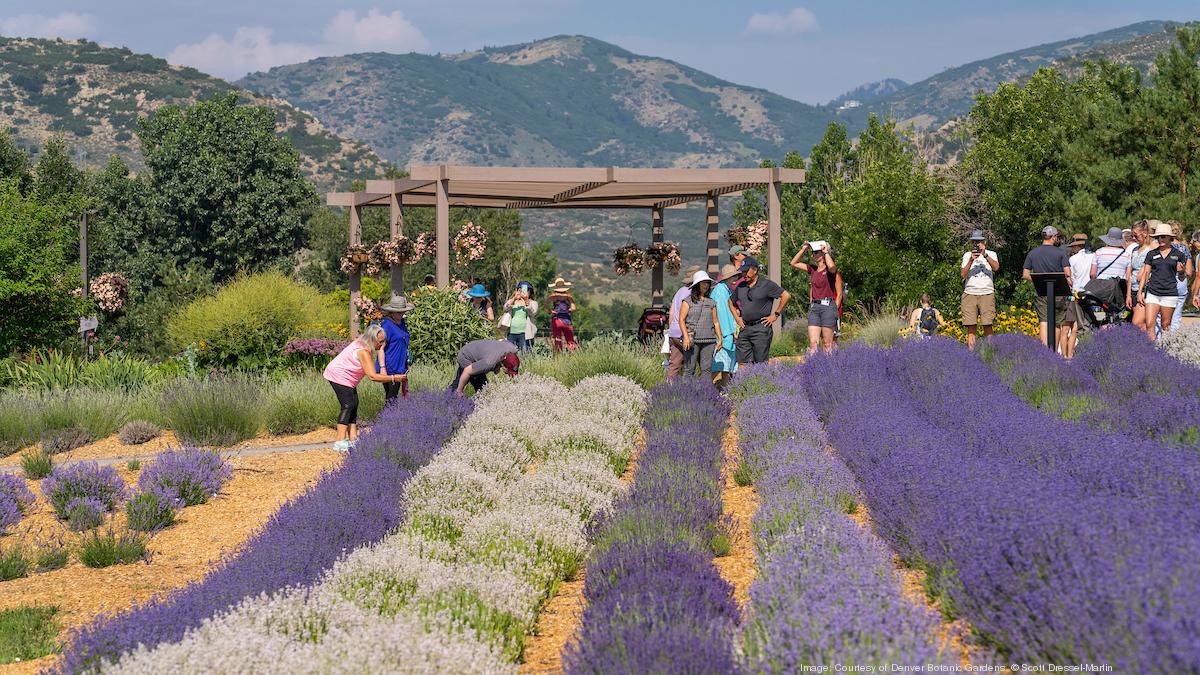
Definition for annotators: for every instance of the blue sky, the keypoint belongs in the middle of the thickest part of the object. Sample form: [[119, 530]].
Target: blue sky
[[810, 51]]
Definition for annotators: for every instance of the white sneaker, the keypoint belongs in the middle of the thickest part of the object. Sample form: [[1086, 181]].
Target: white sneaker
[[341, 446]]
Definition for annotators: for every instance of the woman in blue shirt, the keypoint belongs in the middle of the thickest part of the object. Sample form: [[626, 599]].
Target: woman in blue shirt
[[395, 353]]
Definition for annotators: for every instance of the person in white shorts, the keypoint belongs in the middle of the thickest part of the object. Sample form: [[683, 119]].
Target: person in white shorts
[[1157, 283]]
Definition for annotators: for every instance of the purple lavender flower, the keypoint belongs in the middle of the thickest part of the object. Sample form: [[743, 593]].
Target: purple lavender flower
[[85, 513], [655, 603], [314, 347], [189, 475], [15, 500], [352, 506], [86, 479]]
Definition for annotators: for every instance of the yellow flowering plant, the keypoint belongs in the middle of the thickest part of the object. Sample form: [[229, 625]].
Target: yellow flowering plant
[[1012, 319]]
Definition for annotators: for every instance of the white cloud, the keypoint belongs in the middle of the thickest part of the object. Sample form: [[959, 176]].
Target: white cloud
[[67, 25], [375, 31], [798, 20], [254, 48]]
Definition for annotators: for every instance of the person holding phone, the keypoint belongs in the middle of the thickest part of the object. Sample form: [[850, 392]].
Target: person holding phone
[[979, 267], [518, 317], [823, 294]]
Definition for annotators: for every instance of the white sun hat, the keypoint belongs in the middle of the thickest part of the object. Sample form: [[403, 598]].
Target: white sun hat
[[698, 277]]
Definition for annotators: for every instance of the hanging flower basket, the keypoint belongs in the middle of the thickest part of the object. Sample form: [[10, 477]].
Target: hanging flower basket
[[111, 292], [469, 243], [629, 259], [386, 254], [354, 258], [426, 245], [666, 253], [752, 237]]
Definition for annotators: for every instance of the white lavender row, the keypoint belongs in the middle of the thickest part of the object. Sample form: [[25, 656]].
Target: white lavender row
[[486, 540]]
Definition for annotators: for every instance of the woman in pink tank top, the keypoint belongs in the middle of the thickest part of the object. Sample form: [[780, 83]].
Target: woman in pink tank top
[[344, 373]]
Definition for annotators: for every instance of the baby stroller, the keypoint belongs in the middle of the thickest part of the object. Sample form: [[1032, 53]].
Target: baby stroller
[[1102, 303], [651, 325]]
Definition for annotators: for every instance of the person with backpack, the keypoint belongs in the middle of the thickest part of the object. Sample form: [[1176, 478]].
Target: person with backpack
[[926, 320], [823, 295]]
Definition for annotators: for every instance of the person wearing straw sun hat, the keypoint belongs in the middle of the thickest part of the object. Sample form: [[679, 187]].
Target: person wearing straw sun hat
[[562, 305], [395, 354], [479, 296], [700, 327], [725, 359], [1158, 286]]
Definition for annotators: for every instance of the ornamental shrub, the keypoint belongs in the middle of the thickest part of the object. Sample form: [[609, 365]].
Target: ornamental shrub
[[36, 464], [216, 411], [441, 324], [189, 475], [110, 548], [15, 500], [249, 322], [137, 432], [66, 440], [86, 479]]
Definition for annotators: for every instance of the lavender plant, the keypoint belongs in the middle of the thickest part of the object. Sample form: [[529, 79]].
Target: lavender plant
[[81, 481], [15, 500], [152, 509], [188, 475], [85, 513]]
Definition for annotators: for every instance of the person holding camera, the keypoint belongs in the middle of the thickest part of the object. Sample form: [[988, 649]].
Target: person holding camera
[[823, 294], [979, 267], [1048, 259], [518, 317]]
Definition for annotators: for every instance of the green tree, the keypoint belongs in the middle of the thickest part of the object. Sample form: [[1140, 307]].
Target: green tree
[[57, 176], [1017, 163], [887, 223], [36, 277], [14, 162], [229, 191]]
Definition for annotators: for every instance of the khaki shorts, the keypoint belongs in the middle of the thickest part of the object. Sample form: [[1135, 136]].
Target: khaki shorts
[[1061, 305], [978, 309]]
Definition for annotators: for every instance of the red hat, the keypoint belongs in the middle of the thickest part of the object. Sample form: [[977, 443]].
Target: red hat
[[511, 363]]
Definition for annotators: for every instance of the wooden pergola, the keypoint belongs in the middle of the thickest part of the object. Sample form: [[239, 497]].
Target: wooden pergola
[[443, 187]]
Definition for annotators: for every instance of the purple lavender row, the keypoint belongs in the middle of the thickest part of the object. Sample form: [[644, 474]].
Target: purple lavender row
[[354, 505], [1045, 567], [826, 592], [655, 602], [1066, 390], [1152, 387]]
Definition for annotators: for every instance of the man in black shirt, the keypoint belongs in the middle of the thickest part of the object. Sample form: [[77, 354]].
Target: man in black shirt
[[756, 298], [1047, 259]]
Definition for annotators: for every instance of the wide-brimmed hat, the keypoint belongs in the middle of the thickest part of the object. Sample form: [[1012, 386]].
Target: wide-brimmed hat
[[698, 277], [729, 271], [748, 263], [398, 303], [691, 269], [1115, 237], [560, 285], [1162, 230], [478, 291], [977, 235], [511, 363], [1079, 239]]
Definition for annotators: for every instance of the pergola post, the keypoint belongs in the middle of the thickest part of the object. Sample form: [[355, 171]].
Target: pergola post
[[356, 276], [656, 275], [714, 235], [774, 240], [442, 229], [396, 285]]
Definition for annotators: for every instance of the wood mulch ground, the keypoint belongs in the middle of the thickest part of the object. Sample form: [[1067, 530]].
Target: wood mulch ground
[[948, 634], [179, 554], [739, 503], [562, 614], [112, 448]]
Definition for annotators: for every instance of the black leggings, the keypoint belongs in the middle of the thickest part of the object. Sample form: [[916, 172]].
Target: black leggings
[[348, 398]]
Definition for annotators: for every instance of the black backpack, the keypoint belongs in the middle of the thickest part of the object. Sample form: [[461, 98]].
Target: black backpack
[[929, 321]]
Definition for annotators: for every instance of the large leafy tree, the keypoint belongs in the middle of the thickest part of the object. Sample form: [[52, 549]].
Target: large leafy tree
[[222, 188], [36, 276]]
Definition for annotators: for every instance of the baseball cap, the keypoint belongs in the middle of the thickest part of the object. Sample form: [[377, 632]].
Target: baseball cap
[[511, 363], [736, 249], [1049, 231], [748, 263]]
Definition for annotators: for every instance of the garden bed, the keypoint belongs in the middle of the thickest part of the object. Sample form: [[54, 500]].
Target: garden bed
[[180, 554]]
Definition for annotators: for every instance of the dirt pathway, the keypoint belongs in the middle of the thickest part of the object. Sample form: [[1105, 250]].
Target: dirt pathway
[[739, 504], [562, 614]]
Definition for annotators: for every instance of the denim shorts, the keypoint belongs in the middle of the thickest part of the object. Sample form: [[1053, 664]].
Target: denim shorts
[[823, 315]]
